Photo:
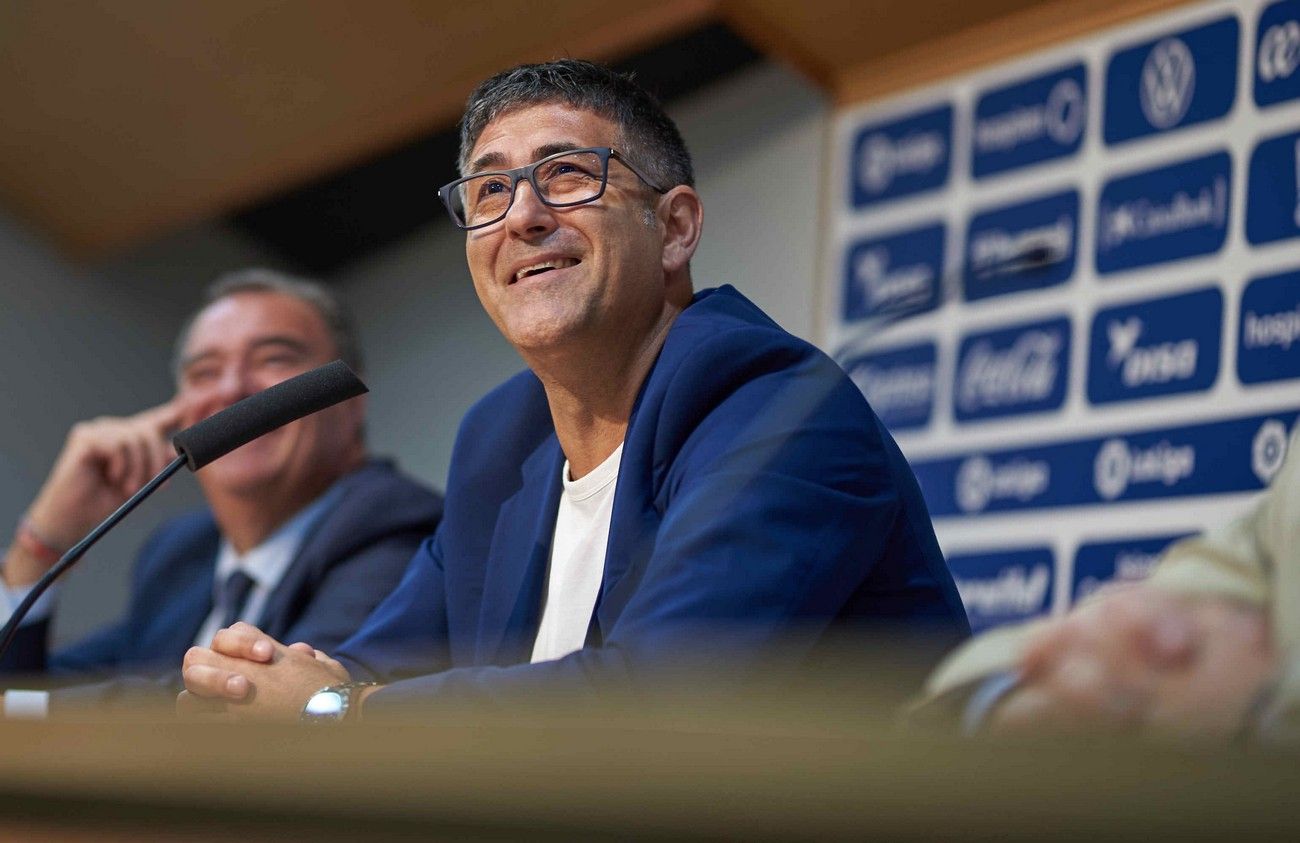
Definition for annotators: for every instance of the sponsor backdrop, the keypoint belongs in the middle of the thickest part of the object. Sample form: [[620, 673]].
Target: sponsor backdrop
[[1070, 286]]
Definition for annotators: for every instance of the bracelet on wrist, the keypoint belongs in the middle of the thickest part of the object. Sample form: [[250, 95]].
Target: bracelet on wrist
[[35, 544]]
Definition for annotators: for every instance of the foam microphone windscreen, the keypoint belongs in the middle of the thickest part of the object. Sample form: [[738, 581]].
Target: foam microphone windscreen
[[245, 420]]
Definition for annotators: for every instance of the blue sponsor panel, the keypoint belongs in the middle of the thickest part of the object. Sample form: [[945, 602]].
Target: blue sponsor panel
[[898, 384], [1268, 340], [1030, 121], [1004, 586], [1273, 190], [1178, 211], [1221, 457], [901, 157], [1100, 563], [1026, 246], [1178, 80], [1277, 53], [1158, 347], [1010, 371], [894, 275]]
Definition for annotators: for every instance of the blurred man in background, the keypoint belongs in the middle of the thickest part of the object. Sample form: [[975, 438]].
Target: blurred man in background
[[303, 532], [676, 482], [1207, 646]]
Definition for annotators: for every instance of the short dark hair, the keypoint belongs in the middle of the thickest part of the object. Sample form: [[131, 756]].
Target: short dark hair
[[336, 319], [648, 135]]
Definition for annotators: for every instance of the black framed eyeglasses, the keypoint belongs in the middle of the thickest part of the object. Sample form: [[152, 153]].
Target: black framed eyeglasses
[[572, 177]]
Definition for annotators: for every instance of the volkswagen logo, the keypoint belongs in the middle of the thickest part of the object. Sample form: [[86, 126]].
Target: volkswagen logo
[[1168, 80]]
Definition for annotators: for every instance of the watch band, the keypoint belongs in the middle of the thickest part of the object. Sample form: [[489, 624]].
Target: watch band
[[332, 703]]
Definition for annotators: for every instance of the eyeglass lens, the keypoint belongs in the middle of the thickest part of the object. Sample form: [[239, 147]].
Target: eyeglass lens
[[568, 179]]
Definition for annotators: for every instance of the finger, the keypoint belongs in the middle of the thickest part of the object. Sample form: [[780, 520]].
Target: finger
[[1157, 628], [214, 682], [192, 707], [115, 464], [303, 647], [329, 661], [1028, 710], [141, 462], [1089, 690], [165, 417], [1047, 646], [244, 641]]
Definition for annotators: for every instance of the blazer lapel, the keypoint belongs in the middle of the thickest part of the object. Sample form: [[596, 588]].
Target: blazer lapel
[[516, 563], [171, 631]]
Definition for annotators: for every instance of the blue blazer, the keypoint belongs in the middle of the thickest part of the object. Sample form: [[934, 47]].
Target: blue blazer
[[345, 567], [759, 504]]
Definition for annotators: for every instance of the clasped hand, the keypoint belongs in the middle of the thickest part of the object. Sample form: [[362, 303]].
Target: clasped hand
[[1140, 659], [248, 675]]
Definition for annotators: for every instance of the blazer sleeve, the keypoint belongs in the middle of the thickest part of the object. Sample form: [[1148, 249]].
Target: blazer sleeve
[[406, 634], [352, 589]]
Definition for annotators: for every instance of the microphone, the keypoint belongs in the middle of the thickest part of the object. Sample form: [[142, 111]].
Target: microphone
[[244, 421], [214, 437]]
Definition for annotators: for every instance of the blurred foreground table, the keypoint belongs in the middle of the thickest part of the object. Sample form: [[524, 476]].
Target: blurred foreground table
[[794, 768]]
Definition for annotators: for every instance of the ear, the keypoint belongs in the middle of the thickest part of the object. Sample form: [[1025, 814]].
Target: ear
[[682, 216]]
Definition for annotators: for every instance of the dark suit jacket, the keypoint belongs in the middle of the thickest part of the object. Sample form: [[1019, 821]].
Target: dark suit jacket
[[351, 560], [758, 502]]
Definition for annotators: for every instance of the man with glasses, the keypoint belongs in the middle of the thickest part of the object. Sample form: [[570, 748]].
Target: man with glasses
[[675, 483]]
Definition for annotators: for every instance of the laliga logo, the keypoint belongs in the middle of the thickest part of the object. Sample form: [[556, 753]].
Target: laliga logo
[[979, 482], [974, 484], [882, 159], [1268, 450], [1168, 80], [1279, 51], [1118, 466]]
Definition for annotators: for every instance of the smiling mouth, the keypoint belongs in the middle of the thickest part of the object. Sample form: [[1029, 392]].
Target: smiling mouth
[[544, 267]]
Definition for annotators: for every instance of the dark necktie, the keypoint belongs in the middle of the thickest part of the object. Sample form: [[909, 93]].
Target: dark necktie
[[234, 592]]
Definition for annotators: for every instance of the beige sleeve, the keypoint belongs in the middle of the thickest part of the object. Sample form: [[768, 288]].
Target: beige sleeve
[[1245, 559]]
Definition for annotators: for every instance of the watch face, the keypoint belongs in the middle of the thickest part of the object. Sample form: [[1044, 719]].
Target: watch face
[[325, 704]]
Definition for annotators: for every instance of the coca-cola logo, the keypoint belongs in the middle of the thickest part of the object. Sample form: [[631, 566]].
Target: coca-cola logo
[[1026, 372]]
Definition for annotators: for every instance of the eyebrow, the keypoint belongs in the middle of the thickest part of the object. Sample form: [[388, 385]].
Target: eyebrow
[[496, 160], [275, 340]]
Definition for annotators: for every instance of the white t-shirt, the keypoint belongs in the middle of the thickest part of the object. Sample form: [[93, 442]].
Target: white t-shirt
[[577, 563]]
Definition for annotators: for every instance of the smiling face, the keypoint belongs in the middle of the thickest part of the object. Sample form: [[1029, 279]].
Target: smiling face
[[242, 344], [556, 277]]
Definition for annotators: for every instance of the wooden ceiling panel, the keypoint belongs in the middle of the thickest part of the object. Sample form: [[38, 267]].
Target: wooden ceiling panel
[[126, 119], [123, 120]]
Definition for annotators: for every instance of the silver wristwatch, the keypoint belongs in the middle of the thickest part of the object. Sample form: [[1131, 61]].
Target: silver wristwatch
[[331, 703]]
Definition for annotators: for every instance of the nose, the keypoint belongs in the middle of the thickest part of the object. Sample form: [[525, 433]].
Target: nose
[[235, 384], [528, 215]]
